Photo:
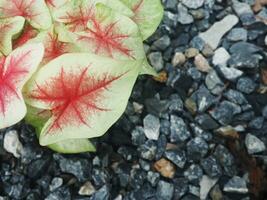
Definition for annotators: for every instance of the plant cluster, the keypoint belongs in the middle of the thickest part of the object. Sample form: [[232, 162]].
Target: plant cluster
[[68, 66]]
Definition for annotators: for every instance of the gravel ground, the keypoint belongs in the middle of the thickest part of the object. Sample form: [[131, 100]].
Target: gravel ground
[[197, 132]]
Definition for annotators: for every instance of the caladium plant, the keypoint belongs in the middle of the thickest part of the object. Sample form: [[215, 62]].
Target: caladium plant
[[68, 66]]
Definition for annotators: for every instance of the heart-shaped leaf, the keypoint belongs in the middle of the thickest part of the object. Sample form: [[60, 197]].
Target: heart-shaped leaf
[[76, 13], [86, 94], [27, 33], [37, 118], [147, 14], [53, 46], [8, 28], [34, 11], [15, 70]]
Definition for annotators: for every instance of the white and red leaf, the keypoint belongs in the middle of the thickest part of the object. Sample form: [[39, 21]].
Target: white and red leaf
[[86, 94], [15, 70], [8, 28], [27, 33], [34, 11], [109, 34], [77, 13], [147, 14], [53, 46]]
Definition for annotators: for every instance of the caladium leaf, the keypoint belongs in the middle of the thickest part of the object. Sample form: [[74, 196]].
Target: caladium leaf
[[27, 33], [34, 11], [76, 13], [53, 46], [9, 27], [15, 70], [110, 34], [86, 94], [147, 14], [55, 4], [37, 118]]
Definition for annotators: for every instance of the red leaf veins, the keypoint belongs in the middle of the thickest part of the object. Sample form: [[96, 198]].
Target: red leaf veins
[[78, 19], [27, 34], [54, 47], [136, 9], [10, 78], [106, 39], [73, 97], [19, 8], [4, 27]]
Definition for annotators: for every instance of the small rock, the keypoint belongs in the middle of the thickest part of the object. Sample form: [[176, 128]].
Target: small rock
[[193, 4], [156, 60], [256, 123], [206, 184], [264, 112], [193, 173], [254, 144], [165, 168], [179, 131], [180, 187], [191, 52], [235, 97], [55, 183], [216, 193], [148, 150], [225, 112], [211, 167], [201, 63], [151, 127], [102, 193], [206, 122], [138, 136], [214, 34], [61, 193], [244, 12], [245, 85], [203, 98], [183, 16], [162, 43], [153, 178], [226, 160], [177, 157], [214, 83], [207, 51], [237, 34], [221, 56], [79, 167], [165, 190], [230, 73], [197, 148], [87, 189], [236, 185], [197, 43], [194, 190], [12, 143], [178, 59]]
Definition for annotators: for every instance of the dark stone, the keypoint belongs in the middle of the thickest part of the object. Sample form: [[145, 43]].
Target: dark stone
[[148, 150], [177, 157], [165, 190], [61, 193], [206, 122], [79, 167], [225, 111], [197, 148], [211, 167]]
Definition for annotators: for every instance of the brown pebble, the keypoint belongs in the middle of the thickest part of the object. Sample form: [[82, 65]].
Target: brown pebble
[[201, 63], [178, 59], [191, 52], [165, 168]]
